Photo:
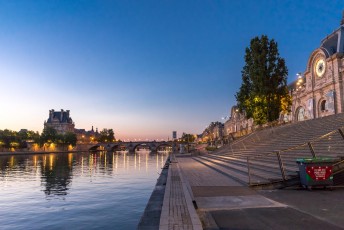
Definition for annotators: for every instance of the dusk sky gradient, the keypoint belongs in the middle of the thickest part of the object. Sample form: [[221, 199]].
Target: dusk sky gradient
[[143, 68]]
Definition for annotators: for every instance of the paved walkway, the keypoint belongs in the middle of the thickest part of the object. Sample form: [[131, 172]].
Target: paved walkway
[[223, 203], [178, 211], [198, 174]]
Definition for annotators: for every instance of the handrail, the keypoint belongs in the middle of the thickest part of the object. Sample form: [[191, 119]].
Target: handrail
[[242, 139], [300, 145]]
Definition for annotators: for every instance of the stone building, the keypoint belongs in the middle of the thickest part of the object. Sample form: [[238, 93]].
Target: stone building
[[319, 91], [61, 121], [84, 136], [236, 125], [213, 133]]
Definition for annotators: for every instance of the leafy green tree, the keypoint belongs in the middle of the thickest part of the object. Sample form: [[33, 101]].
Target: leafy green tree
[[187, 137], [111, 135], [49, 135], [24, 136], [8, 138], [66, 139], [70, 138], [263, 93], [106, 135]]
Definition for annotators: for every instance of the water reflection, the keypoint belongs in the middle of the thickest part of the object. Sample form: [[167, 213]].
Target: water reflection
[[56, 171], [63, 190]]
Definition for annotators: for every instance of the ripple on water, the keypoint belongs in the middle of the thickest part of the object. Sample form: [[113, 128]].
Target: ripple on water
[[76, 190]]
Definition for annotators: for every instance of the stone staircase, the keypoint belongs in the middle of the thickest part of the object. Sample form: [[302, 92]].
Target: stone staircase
[[269, 156]]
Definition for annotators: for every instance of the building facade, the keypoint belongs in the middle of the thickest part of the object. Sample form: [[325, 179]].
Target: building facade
[[236, 125], [213, 133], [84, 136], [317, 92], [60, 121]]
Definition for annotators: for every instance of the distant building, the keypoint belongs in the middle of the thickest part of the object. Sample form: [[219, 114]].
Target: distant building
[[174, 135], [213, 133], [236, 125], [61, 121], [84, 136]]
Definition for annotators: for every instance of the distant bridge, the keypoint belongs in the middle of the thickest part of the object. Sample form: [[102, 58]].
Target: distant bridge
[[130, 146]]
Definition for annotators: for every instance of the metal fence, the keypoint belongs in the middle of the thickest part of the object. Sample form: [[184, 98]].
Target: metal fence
[[281, 165]]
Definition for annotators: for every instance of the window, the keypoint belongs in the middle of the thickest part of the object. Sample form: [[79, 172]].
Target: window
[[323, 106], [301, 114]]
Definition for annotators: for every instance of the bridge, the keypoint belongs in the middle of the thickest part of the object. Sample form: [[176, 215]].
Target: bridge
[[129, 146]]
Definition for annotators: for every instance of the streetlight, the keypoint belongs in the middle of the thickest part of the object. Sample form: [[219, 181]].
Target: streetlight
[[299, 82]]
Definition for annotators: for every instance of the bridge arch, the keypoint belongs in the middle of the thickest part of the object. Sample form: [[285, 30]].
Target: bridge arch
[[164, 144], [135, 146], [96, 147]]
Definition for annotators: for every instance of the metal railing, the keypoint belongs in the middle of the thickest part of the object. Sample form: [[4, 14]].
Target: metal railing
[[281, 165]]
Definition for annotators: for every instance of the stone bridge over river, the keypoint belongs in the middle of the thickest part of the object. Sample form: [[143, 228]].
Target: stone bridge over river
[[129, 146]]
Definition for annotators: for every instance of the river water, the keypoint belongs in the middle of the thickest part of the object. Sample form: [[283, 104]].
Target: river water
[[77, 190]]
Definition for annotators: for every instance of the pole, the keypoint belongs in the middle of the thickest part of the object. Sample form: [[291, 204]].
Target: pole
[[311, 148], [278, 153], [248, 170]]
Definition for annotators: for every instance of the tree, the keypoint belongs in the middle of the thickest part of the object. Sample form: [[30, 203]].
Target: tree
[[8, 138], [188, 137], [66, 139], [49, 135], [111, 135], [106, 135], [263, 93]]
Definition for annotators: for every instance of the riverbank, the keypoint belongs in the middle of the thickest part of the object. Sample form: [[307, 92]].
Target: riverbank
[[151, 216], [38, 152]]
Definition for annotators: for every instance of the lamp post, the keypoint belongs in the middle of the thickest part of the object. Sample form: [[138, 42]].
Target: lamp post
[[300, 84]]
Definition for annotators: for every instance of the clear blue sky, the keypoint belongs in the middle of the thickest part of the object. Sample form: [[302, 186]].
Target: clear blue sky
[[143, 68]]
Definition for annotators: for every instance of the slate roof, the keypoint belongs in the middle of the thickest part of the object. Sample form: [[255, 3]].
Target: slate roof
[[57, 115]]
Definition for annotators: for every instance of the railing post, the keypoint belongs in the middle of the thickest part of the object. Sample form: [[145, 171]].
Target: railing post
[[341, 133], [311, 148], [278, 153], [248, 170]]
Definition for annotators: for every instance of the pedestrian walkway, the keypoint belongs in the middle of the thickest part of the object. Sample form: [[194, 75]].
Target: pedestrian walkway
[[223, 203], [178, 211]]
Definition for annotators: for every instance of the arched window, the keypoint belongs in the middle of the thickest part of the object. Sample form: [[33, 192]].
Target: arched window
[[301, 114], [323, 106]]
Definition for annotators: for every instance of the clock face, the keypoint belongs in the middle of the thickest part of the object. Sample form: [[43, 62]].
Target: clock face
[[320, 67]]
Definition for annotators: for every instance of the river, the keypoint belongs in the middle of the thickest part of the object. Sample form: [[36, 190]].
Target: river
[[100, 190]]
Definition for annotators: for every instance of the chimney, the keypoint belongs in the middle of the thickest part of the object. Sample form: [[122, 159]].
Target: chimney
[[51, 114], [67, 111], [342, 21], [61, 115]]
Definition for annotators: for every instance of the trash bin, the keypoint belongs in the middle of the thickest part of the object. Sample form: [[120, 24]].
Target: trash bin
[[316, 171]]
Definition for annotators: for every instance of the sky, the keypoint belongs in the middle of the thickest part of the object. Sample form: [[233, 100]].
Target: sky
[[143, 68]]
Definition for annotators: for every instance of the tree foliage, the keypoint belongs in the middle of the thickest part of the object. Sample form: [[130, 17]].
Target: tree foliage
[[106, 135], [13, 139], [263, 93], [188, 137], [68, 138], [50, 135]]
